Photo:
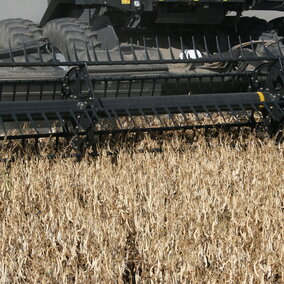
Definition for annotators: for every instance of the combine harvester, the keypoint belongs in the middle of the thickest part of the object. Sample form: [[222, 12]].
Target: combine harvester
[[96, 67]]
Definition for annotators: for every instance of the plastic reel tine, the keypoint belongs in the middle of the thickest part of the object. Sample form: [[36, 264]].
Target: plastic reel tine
[[47, 121], [10, 52], [25, 53], [96, 60], [74, 118], [145, 117], [88, 52], [131, 117], [117, 118], [182, 49], [218, 48], [146, 50], [220, 112], [206, 47], [158, 116], [230, 46], [76, 53], [121, 54], [158, 49], [109, 60], [252, 46], [241, 47], [110, 118], [194, 47], [171, 49], [183, 114], [18, 125], [94, 113], [39, 53], [62, 123], [3, 126], [208, 113], [32, 122], [171, 116], [133, 51], [142, 87], [86, 113], [195, 114]]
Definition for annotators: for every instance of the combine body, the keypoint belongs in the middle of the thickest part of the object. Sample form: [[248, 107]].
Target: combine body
[[94, 67]]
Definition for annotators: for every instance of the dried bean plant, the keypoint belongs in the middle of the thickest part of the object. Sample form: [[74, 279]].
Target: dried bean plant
[[197, 211]]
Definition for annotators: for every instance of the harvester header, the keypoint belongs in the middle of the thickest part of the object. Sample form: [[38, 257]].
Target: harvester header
[[62, 80]]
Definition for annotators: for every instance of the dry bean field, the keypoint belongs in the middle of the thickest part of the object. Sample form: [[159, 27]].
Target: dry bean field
[[190, 209]]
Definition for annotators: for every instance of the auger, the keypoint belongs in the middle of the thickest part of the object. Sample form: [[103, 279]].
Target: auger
[[101, 67]]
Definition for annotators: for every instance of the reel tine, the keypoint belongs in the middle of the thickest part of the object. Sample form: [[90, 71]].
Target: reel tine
[[206, 47], [171, 49], [18, 125], [109, 60], [121, 54], [230, 47], [39, 53], [88, 52], [47, 121], [182, 49], [252, 47], [3, 127], [11, 53], [218, 48], [133, 51], [25, 53], [158, 49], [32, 122], [96, 60]]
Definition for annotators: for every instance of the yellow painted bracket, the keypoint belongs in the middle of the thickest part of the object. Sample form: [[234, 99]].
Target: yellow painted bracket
[[261, 98]]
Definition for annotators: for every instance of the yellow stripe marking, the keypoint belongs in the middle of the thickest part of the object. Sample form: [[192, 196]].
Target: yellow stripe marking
[[261, 98]]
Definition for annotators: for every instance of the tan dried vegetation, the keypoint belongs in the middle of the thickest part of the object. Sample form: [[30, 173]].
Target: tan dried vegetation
[[197, 212]]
